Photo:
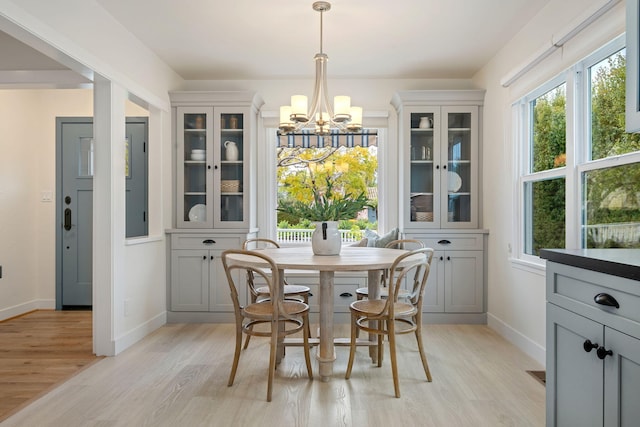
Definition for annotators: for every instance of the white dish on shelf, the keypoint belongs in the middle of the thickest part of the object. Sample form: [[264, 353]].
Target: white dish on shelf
[[198, 155], [198, 213], [454, 182]]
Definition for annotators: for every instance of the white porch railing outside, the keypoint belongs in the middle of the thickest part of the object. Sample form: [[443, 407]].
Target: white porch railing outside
[[298, 235], [626, 234]]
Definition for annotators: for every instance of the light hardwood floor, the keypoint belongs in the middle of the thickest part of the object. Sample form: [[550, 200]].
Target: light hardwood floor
[[177, 376]]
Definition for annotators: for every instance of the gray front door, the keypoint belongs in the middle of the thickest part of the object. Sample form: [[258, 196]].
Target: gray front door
[[75, 210], [74, 138]]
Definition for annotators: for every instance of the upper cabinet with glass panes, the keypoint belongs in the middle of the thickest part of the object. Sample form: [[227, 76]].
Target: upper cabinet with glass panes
[[439, 141], [215, 140]]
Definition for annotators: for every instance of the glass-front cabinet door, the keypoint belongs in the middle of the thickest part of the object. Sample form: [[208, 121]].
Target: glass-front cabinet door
[[194, 127], [229, 174], [211, 171], [459, 166], [442, 155], [424, 149]]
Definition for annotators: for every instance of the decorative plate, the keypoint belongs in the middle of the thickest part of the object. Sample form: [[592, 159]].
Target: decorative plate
[[198, 213], [454, 181]]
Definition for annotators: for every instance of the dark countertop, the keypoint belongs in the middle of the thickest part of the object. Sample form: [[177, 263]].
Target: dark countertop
[[617, 262]]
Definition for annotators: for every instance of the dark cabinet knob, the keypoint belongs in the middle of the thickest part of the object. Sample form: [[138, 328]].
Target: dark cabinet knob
[[606, 299], [204, 257], [603, 352], [588, 346]]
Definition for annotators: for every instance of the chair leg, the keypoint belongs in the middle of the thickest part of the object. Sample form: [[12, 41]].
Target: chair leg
[[307, 356], [380, 347], [423, 356], [246, 340], [236, 355], [352, 347], [392, 356], [272, 358]]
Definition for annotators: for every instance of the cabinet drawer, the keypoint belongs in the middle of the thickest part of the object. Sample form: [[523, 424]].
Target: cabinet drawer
[[575, 289], [456, 242], [197, 241]]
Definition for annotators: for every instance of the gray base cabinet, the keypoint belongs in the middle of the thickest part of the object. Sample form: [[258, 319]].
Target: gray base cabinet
[[593, 349], [456, 278], [198, 280]]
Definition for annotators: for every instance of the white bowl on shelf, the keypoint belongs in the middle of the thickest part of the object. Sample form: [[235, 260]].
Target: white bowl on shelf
[[198, 155]]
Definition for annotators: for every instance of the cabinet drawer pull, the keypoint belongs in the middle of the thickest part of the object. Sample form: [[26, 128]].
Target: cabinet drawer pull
[[208, 242], [606, 299], [603, 352], [444, 242], [204, 257], [346, 294], [588, 346]]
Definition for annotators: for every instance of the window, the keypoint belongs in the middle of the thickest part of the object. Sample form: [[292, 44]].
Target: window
[[579, 179], [543, 181], [305, 172]]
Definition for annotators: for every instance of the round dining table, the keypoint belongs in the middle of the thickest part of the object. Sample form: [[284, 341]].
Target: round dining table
[[351, 258]]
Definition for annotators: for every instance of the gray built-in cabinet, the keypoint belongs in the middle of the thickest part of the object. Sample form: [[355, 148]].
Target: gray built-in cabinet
[[439, 137], [214, 197], [593, 337]]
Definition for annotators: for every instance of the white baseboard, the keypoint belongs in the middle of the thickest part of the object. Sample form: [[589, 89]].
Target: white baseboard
[[133, 336], [531, 348], [17, 310]]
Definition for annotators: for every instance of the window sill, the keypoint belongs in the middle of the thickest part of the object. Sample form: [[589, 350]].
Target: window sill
[[142, 240], [529, 266]]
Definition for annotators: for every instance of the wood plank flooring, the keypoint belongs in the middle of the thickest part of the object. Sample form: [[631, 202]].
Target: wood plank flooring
[[38, 351], [177, 376]]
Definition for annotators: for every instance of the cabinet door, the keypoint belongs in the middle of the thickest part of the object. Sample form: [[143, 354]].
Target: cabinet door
[[433, 301], [219, 294], [194, 174], [421, 149], [574, 376], [231, 168], [189, 280], [459, 167], [621, 380], [463, 287]]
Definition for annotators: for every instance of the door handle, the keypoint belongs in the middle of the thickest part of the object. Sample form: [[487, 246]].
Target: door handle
[[67, 219]]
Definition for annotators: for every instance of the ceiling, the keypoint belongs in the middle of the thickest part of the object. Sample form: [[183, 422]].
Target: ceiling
[[248, 39]]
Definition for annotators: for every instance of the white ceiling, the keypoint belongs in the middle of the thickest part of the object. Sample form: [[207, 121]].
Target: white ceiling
[[249, 39]]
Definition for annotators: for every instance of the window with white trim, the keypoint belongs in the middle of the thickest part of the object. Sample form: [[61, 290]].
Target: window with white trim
[[579, 179]]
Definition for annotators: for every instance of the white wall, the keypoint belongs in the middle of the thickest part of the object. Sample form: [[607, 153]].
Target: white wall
[[516, 292], [27, 169]]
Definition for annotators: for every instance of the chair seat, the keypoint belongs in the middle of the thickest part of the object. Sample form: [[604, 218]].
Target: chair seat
[[288, 290], [383, 292], [371, 307], [263, 310]]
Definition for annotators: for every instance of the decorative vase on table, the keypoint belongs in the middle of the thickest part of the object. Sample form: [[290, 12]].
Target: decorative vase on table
[[326, 239]]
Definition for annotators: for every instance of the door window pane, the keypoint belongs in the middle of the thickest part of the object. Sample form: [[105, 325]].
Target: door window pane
[[85, 157], [545, 215], [612, 207], [548, 149]]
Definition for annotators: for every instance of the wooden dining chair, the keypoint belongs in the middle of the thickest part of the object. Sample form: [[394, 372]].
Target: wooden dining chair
[[285, 317], [259, 292], [391, 316], [406, 244]]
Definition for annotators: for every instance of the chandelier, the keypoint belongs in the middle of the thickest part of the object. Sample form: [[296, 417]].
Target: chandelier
[[319, 117]]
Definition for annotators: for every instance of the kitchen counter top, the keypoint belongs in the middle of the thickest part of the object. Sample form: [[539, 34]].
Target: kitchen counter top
[[617, 262]]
